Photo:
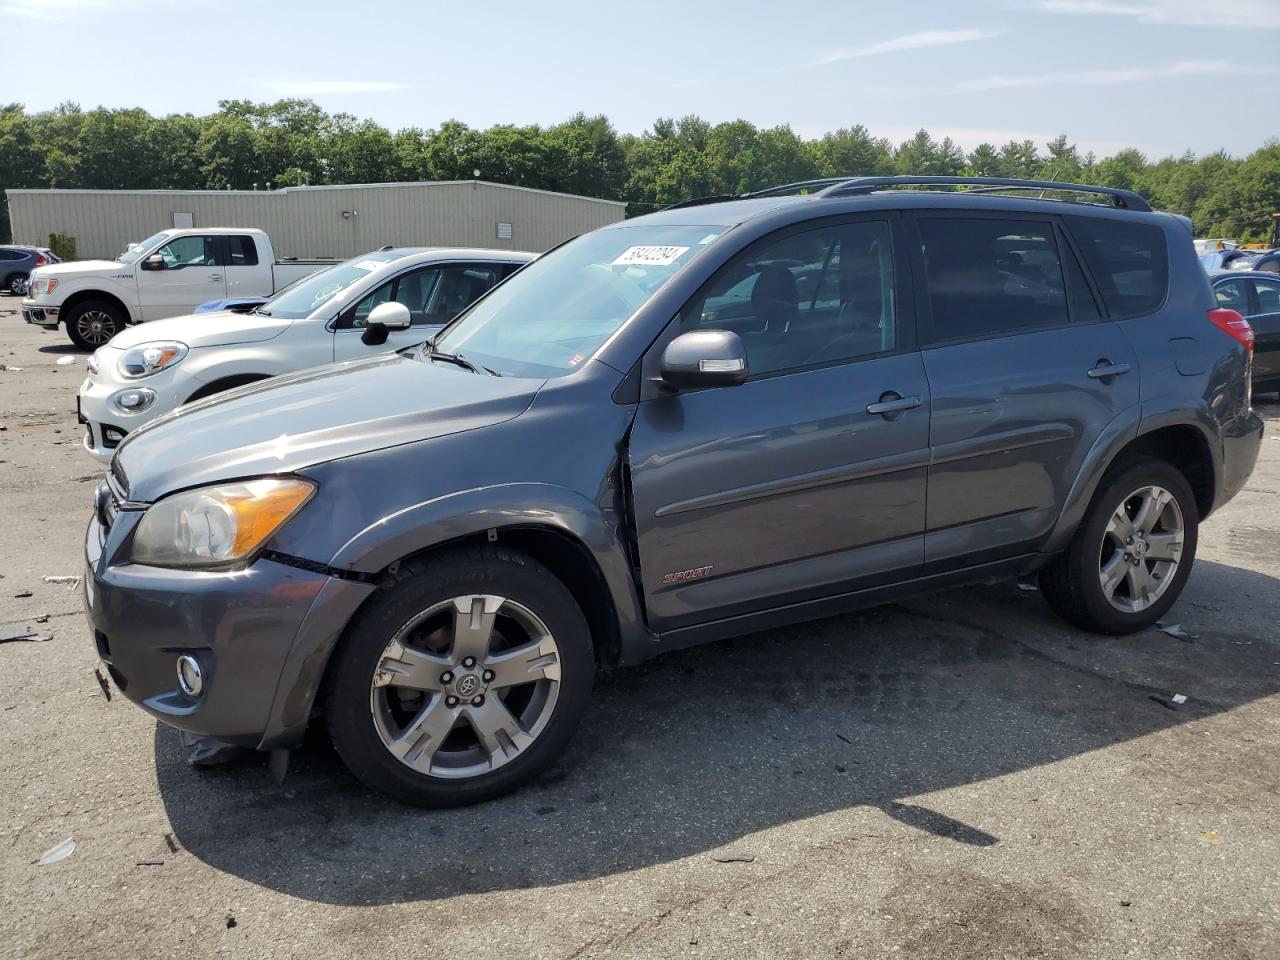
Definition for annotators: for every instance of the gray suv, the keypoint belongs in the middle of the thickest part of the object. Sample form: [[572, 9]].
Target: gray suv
[[736, 413]]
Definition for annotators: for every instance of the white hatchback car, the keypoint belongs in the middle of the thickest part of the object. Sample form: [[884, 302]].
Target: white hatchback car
[[149, 370]]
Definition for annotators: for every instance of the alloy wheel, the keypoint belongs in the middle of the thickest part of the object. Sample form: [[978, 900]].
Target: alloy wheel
[[465, 686], [96, 327], [1141, 549]]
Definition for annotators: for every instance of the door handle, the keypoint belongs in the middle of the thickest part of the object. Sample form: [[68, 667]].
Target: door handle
[[891, 402], [1106, 370], [215, 278]]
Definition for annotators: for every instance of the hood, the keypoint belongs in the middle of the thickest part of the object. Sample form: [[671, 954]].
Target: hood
[[218, 329], [325, 413], [79, 267]]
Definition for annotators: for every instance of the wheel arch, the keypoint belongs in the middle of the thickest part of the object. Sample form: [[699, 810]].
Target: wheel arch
[[228, 382], [80, 296]]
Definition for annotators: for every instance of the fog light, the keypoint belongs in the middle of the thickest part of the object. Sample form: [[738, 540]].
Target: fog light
[[190, 679], [134, 400]]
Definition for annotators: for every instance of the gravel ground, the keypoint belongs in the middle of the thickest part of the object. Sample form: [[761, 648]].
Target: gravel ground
[[960, 776]]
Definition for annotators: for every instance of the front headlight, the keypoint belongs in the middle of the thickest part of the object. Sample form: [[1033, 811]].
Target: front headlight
[[43, 286], [148, 358], [219, 525]]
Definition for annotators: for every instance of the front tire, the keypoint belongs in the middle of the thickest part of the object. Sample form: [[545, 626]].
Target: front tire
[[463, 680], [1132, 553], [92, 323]]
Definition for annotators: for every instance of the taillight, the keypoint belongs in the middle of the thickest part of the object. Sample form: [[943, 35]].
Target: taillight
[[40, 260], [1230, 322]]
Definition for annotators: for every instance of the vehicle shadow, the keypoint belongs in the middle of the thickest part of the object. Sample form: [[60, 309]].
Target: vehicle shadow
[[696, 750], [60, 348]]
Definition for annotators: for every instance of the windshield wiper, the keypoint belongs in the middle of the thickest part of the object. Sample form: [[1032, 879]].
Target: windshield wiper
[[431, 353]]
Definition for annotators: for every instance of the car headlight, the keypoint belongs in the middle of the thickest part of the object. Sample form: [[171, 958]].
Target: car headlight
[[218, 525], [42, 286], [148, 358]]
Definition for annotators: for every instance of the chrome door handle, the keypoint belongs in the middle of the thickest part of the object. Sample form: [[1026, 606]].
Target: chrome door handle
[[215, 278], [1105, 370], [892, 403]]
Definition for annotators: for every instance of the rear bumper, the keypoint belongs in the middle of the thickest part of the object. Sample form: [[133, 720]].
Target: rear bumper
[[1240, 446], [41, 316], [240, 626]]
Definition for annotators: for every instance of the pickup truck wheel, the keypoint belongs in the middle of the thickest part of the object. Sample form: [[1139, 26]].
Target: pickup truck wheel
[[1132, 553], [92, 323], [463, 680]]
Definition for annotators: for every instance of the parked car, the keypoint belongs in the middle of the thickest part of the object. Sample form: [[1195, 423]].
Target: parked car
[[16, 263], [434, 549], [342, 313], [1255, 295], [165, 275]]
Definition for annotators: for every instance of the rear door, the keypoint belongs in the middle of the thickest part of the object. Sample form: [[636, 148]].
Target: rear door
[[809, 479], [1024, 375], [434, 294], [193, 273], [246, 275]]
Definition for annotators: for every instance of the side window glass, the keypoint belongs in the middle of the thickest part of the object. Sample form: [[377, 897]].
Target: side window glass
[[242, 252], [1084, 308], [1129, 261], [457, 288], [806, 299], [1268, 295], [190, 252], [988, 277], [1233, 295]]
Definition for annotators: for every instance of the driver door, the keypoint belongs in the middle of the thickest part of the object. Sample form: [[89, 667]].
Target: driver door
[[193, 273]]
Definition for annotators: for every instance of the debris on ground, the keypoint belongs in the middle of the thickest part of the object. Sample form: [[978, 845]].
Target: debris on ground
[[1176, 630], [102, 682], [66, 361], [21, 593], [209, 751], [171, 843], [1170, 703], [841, 736], [43, 618], [1029, 587], [150, 863], [1211, 837], [734, 858], [70, 581], [10, 369], [18, 631], [59, 852], [231, 921]]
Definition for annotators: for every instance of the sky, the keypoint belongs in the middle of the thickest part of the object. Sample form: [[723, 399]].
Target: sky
[[1164, 76]]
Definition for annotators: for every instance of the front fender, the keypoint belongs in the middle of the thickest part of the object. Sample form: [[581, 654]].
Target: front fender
[[465, 513]]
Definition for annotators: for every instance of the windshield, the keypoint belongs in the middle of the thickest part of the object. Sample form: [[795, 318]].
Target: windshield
[[136, 250], [303, 297], [561, 308]]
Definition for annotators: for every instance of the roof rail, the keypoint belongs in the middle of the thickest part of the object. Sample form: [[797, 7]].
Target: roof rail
[[783, 189], [853, 186]]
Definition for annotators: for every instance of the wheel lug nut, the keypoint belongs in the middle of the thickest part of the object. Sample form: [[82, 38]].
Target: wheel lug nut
[[469, 662], [446, 677], [487, 675], [478, 701], [450, 701]]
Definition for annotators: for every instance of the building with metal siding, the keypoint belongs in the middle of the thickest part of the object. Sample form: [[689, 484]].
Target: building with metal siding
[[328, 221]]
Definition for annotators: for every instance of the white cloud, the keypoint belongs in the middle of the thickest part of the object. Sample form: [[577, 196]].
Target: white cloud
[[1116, 75], [1187, 13], [910, 41], [315, 88]]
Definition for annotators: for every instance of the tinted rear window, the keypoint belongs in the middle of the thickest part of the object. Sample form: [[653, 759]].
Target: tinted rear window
[[1128, 260]]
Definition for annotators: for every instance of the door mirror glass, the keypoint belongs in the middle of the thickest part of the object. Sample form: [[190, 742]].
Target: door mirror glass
[[384, 318], [704, 358], [153, 262]]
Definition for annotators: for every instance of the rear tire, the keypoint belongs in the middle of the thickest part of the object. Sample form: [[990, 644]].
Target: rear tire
[[1125, 568], [19, 284], [91, 323], [462, 680]]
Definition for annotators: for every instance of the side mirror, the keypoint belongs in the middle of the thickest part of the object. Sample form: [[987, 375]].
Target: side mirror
[[704, 358], [384, 318], [153, 262]]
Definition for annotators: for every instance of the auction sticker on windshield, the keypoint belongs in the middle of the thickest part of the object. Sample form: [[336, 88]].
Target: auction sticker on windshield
[[650, 256]]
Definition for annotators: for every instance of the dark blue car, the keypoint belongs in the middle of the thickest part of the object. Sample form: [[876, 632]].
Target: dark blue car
[[1255, 295], [16, 264]]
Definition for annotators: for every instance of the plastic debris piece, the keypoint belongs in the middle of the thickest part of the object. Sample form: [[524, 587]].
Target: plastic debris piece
[[209, 751], [16, 631], [1167, 704], [1029, 587], [68, 580], [150, 863], [735, 858], [1177, 630], [1211, 837], [22, 593], [66, 361], [60, 852], [1178, 698]]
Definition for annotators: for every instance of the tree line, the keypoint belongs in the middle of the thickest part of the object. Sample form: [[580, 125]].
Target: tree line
[[247, 145]]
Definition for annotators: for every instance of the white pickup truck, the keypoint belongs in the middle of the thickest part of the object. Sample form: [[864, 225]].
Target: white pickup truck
[[166, 275]]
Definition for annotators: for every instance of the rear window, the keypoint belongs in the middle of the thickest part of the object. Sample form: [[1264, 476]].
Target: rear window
[[242, 252], [1128, 260]]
